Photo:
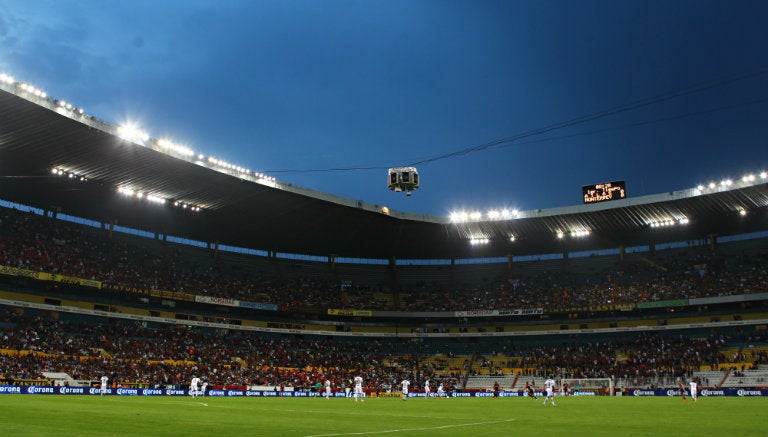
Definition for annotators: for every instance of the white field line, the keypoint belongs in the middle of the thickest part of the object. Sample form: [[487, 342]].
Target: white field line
[[390, 431]]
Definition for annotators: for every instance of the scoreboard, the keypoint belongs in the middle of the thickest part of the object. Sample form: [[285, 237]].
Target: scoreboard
[[604, 192]]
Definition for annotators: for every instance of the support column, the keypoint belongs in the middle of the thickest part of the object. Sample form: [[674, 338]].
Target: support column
[[393, 280]]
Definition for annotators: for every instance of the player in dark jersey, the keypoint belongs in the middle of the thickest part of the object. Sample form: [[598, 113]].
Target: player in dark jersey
[[529, 391]]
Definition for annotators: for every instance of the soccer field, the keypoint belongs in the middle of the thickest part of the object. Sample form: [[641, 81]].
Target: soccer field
[[61, 416]]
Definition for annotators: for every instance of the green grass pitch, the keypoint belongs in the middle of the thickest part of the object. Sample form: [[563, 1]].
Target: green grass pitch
[[62, 416]]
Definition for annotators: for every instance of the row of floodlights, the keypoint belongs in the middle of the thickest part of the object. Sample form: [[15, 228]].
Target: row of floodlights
[[122, 190], [725, 183], [9, 80], [68, 174], [6, 79], [32, 90], [506, 214], [573, 234], [68, 106], [37, 92], [479, 241], [134, 134], [155, 199], [560, 235], [127, 191], [670, 222], [494, 214], [583, 233], [459, 217]]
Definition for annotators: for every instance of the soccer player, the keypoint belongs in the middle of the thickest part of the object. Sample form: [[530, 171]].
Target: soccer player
[[681, 388], [104, 381], [440, 391], [564, 389], [327, 388], [549, 385], [202, 389], [496, 389], [194, 386], [529, 390], [426, 389], [405, 385], [359, 388], [694, 391]]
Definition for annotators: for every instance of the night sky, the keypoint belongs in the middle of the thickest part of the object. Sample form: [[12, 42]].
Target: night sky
[[499, 104]]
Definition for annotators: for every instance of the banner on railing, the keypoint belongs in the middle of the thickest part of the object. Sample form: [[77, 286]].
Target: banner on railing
[[95, 391]]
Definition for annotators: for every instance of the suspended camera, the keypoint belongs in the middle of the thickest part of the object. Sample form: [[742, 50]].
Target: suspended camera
[[403, 179]]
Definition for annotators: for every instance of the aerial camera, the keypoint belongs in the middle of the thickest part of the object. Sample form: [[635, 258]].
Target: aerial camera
[[403, 179]]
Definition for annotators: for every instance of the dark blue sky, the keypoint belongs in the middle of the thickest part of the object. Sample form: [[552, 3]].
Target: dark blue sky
[[289, 87]]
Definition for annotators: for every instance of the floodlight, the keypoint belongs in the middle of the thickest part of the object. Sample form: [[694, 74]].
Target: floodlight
[[132, 133]]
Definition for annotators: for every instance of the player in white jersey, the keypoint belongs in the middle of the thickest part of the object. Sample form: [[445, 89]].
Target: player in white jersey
[[203, 388], [549, 385], [440, 391], [104, 381], [405, 385], [426, 389], [194, 386], [694, 391], [327, 388], [359, 388]]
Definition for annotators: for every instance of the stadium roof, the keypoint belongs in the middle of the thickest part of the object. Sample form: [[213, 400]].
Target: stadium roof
[[55, 158]]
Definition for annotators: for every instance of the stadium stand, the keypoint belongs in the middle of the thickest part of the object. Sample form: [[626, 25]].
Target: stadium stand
[[667, 287], [34, 344], [141, 265]]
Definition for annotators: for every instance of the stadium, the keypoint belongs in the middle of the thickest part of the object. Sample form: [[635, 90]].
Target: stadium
[[129, 257]]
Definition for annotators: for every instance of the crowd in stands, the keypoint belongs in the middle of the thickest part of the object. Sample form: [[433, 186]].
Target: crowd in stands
[[86, 347], [170, 355], [39, 243], [647, 357]]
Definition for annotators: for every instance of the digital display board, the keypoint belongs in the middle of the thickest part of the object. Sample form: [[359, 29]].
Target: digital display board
[[604, 192]]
